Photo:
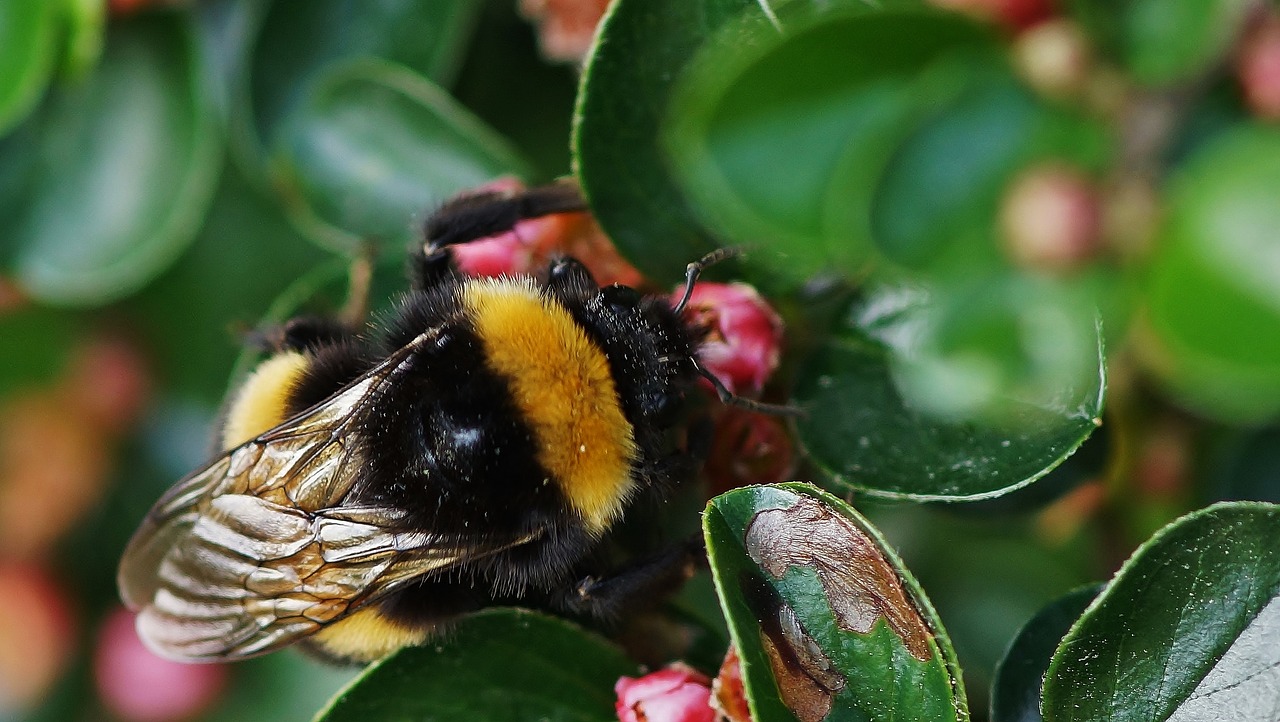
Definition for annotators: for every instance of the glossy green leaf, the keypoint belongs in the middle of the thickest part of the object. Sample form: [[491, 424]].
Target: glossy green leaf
[[86, 31], [298, 41], [499, 664], [1188, 629], [126, 165], [193, 317], [827, 622], [27, 47], [778, 138], [1015, 694], [1163, 41], [936, 203], [868, 434], [1214, 284], [641, 49], [374, 146]]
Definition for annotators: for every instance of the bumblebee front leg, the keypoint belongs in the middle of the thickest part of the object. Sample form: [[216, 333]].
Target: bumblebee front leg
[[472, 216], [608, 597]]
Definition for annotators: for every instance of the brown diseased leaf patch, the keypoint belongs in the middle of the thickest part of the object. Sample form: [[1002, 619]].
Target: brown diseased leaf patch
[[860, 583], [807, 680]]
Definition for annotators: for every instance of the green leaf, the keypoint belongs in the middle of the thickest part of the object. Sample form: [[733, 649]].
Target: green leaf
[[778, 138], [192, 318], [936, 203], [1188, 629], [487, 667], [86, 30], [1163, 41], [641, 48], [1214, 283], [373, 146], [125, 166], [37, 343], [27, 47], [868, 434], [297, 42], [1015, 694], [1245, 465], [827, 622]]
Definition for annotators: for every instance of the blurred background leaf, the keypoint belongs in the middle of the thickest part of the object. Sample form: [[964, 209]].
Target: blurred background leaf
[[119, 169]]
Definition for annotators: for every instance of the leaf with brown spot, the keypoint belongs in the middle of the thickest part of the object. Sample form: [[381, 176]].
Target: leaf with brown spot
[[827, 622]]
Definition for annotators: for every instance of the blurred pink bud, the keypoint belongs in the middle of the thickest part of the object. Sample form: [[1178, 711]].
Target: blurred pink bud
[[1259, 67], [744, 337], [1051, 219], [110, 378], [565, 27], [678, 693], [138, 686], [37, 635], [729, 697], [1016, 14], [1054, 58]]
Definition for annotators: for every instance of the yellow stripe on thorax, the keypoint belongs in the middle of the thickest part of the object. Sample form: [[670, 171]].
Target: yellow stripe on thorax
[[563, 388], [260, 403]]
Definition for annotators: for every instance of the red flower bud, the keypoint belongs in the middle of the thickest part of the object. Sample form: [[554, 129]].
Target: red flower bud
[[678, 693], [1016, 14], [748, 448], [745, 334], [729, 696], [1259, 68], [137, 685]]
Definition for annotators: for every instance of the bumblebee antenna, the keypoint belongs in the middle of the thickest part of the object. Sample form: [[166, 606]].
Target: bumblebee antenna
[[728, 398], [695, 269]]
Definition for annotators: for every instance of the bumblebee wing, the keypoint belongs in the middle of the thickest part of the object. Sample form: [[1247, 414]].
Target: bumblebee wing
[[252, 575], [305, 462], [256, 550]]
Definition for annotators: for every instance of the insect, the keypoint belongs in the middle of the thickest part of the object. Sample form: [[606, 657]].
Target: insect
[[475, 451]]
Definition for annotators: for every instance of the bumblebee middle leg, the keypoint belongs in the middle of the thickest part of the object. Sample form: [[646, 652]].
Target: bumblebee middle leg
[[608, 597]]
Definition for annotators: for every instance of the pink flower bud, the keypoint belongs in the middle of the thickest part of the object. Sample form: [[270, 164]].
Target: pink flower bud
[[678, 693], [1054, 58], [565, 27], [1051, 219], [529, 248], [506, 254], [1259, 68], [744, 334], [138, 686]]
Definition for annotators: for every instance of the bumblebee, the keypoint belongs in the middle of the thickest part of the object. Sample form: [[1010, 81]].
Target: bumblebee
[[477, 450]]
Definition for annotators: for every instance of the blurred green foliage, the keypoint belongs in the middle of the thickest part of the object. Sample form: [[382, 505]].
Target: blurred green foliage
[[981, 256]]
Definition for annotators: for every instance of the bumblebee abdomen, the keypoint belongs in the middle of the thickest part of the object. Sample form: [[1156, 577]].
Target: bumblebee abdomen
[[562, 386]]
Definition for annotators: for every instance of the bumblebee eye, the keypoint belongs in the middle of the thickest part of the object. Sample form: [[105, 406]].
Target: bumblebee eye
[[621, 298]]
